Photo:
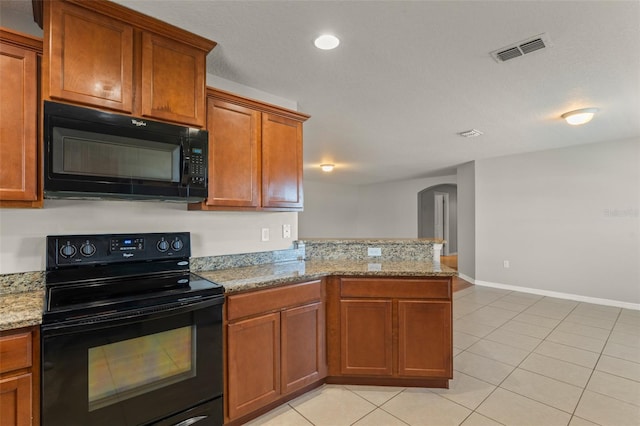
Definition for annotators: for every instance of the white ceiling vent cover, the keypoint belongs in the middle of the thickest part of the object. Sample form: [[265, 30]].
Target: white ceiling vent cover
[[470, 133], [521, 48]]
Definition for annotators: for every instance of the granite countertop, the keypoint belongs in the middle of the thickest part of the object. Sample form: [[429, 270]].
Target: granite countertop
[[22, 309], [261, 276]]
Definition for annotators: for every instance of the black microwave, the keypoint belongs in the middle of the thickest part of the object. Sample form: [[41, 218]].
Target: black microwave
[[94, 154]]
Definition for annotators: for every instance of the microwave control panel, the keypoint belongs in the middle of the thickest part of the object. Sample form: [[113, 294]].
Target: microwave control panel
[[198, 166]]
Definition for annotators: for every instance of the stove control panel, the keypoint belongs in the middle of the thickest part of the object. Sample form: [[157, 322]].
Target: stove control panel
[[63, 250]]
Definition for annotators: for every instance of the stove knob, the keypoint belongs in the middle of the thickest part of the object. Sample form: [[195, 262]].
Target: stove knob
[[163, 245], [68, 250], [177, 244], [87, 249]]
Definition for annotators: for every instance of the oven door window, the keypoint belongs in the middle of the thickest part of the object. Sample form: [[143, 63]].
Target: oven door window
[[83, 153], [123, 370]]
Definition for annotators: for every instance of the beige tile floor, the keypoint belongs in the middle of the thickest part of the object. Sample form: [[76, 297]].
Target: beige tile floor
[[520, 359]]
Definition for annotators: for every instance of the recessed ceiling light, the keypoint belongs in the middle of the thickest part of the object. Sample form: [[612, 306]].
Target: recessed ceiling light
[[327, 167], [327, 42], [579, 116]]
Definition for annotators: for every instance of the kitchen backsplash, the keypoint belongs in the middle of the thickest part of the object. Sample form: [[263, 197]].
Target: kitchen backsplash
[[359, 249], [210, 263]]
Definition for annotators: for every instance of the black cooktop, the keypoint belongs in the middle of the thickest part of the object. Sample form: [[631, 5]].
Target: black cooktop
[[109, 274]]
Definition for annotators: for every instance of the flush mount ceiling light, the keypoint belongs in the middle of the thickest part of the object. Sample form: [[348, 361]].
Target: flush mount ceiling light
[[327, 42], [579, 116], [327, 167]]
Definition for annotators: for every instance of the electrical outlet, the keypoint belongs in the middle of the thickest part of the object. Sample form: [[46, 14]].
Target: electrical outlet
[[505, 263], [286, 231], [265, 234], [374, 251]]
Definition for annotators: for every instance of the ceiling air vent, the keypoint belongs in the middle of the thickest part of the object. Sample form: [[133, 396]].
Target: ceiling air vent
[[470, 133], [523, 47]]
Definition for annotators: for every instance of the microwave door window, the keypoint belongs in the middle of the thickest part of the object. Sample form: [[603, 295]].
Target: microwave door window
[[90, 154]]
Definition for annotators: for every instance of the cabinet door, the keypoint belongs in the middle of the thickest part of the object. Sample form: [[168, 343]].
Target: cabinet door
[[253, 363], [234, 155], [281, 162], [366, 337], [424, 338], [173, 81], [303, 343], [18, 124], [90, 58], [15, 401]]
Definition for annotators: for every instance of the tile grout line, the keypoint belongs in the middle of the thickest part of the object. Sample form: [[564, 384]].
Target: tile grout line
[[503, 380], [594, 368]]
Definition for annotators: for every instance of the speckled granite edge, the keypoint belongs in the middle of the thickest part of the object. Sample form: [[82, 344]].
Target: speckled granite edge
[[19, 310], [391, 249], [21, 282], [210, 263], [262, 276]]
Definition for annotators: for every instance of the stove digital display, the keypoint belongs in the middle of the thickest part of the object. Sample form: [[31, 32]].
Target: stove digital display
[[127, 244]]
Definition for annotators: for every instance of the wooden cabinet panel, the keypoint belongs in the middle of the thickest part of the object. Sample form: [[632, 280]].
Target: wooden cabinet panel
[[102, 54], [396, 288], [15, 352], [253, 303], [424, 339], [173, 80], [91, 58], [302, 346], [18, 124], [234, 154], [15, 401], [255, 155], [281, 162], [366, 337], [253, 363], [19, 377]]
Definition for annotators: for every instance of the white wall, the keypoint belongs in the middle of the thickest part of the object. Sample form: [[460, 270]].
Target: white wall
[[23, 231], [330, 211], [467, 220], [388, 210], [18, 21], [567, 220]]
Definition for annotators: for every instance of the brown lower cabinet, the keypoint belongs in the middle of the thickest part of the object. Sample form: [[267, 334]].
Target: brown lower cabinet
[[275, 346], [283, 341], [19, 377], [392, 330]]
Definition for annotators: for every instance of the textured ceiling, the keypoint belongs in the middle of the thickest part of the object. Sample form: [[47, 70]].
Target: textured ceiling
[[408, 76]]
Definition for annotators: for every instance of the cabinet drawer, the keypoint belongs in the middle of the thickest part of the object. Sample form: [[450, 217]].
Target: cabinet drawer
[[396, 288], [243, 305], [15, 352]]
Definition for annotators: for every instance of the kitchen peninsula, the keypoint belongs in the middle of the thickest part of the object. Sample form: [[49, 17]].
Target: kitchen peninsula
[[322, 312]]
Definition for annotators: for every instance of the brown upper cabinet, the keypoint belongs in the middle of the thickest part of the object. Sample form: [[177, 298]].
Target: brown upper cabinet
[[101, 54], [255, 155], [19, 183]]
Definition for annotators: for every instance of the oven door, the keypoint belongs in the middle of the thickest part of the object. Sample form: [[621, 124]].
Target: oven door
[[135, 369]]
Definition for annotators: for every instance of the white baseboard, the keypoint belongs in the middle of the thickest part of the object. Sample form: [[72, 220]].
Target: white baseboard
[[548, 293], [467, 278]]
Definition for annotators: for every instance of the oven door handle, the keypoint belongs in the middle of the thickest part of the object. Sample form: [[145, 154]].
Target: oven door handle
[[113, 319], [191, 421]]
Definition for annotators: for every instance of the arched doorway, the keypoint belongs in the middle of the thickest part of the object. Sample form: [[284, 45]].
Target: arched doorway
[[438, 215]]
